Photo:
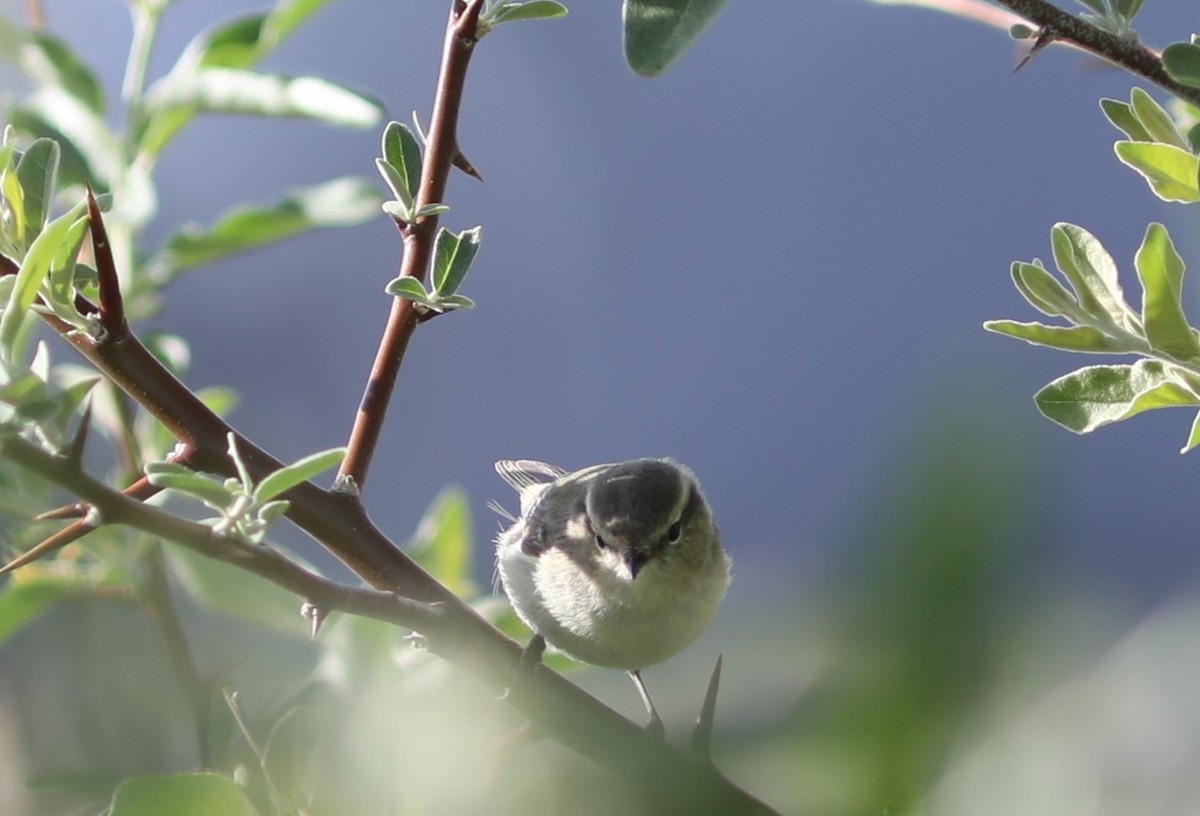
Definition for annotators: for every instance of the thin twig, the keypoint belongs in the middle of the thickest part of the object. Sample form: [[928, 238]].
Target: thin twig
[[440, 149]]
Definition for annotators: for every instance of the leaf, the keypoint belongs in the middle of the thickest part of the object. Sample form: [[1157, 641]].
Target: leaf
[[1094, 396], [442, 544], [452, 258], [532, 10], [1160, 270], [33, 271], [1170, 171], [339, 203], [21, 601], [184, 794], [38, 173], [49, 61], [1092, 273], [1068, 338], [397, 185], [240, 91], [63, 264], [448, 302], [171, 476], [409, 288], [233, 591], [1194, 436], [297, 473], [1157, 122], [1123, 118], [1044, 292], [1182, 61], [658, 32], [402, 152], [54, 113]]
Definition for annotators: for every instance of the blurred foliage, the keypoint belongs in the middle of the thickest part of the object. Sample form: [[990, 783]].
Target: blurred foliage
[[929, 681]]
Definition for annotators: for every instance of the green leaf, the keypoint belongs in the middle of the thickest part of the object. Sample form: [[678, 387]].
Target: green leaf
[[1123, 118], [339, 203], [34, 269], [185, 794], [1161, 272], [239, 91], [1157, 122], [398, 211], [402, 152], [296, 473], [1194, 436], [452, 258], [1182, 61], [38, 173], [62, 265], [54, 113], [532, 10], [1092, 274], [49, 61], [409, 288], [448, 302], [233, 591], [442, 544], [1099, 395], [1044, 292], [396, 184], [658, 32], [21, 601], [1170, 171], [171, 476], [1068, 338]]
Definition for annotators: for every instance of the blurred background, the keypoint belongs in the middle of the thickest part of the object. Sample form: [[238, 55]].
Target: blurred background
[[771, 263]]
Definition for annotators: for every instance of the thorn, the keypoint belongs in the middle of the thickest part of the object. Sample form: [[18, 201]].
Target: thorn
[[701, 743], [1046, 35], [112, 309], [67, 511], [49, 545], [74, 451], [315, 615], [462, 163], [527, 665]]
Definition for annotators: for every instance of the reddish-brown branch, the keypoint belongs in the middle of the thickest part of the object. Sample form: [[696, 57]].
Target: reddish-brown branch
[[440, 150]]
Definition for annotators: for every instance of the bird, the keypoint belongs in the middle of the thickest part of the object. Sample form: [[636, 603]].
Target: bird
[[616, 565]]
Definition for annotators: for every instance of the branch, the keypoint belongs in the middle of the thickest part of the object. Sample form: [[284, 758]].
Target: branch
[[1126, 53], [672, 779], [440, 151]]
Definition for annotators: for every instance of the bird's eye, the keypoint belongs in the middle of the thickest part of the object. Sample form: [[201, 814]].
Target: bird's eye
[[601, 543], [674, 531]]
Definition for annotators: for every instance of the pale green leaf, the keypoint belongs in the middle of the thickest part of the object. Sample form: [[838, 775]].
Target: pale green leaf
[[402, 152], [49, 61], [409, 288], [38, 173], [1092, 274], [1044, 292], [1094, 396], [452, 258], [1123, 118], [1068, 338], [297, 473], [1161, 272], [339, 203], [1170, 171], [1157, 122], [1194, 436]]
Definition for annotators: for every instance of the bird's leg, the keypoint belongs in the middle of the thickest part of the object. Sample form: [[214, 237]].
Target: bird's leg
[[527, 663], [654, 724]]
